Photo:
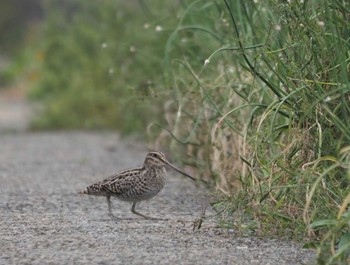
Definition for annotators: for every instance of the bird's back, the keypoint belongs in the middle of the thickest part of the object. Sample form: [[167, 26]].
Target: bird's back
[[131, 185]]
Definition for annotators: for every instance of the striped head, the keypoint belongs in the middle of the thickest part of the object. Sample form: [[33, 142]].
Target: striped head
[[155, 158], [158, 159]]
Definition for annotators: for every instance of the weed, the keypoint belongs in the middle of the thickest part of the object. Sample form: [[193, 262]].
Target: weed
[[265, 114]]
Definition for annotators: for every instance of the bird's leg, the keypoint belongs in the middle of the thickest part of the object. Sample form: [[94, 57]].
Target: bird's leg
[[135, 212], [109, 206]]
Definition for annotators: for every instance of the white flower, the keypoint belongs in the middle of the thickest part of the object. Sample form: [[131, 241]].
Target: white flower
[[327, 99], [159, 28], [320, 23], [104, 45], [278, 27], [206, 61], [146, 26], [132, 49]]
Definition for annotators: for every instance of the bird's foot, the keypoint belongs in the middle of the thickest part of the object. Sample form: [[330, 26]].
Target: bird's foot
[[112, 216]]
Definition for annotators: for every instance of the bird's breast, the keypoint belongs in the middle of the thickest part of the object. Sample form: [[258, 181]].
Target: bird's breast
[[146, 186], [155, 177]]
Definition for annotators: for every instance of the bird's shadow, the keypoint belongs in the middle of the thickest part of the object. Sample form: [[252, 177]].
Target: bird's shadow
[[118, 219]]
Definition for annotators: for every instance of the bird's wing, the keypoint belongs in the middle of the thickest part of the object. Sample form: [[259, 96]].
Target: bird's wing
[[121, 182]]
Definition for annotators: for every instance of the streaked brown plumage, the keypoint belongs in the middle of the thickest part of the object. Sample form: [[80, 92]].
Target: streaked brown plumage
[[135, 185]]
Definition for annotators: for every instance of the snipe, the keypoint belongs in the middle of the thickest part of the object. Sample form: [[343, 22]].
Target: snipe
[[135, 185]]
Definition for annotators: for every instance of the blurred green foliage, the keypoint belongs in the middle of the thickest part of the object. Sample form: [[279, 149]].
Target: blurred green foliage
[[19, 20], [16, 18], [102, 64]]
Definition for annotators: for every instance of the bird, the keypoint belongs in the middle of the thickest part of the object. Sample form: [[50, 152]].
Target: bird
[[137, 184]]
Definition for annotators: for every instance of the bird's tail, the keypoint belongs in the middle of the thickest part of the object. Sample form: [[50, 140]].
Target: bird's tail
[[94, 189], [84, 191]]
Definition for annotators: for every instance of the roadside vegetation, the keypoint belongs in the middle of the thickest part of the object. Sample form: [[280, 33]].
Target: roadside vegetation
[[253, 95]]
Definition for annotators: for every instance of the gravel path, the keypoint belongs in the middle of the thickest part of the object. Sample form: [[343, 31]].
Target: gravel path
[[45, 221]]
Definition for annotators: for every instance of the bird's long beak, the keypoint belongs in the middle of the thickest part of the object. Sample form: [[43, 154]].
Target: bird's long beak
[[180, 171]]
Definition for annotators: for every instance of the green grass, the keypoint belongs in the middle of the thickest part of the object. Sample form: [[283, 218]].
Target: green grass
[[255, 96], [266, 108]]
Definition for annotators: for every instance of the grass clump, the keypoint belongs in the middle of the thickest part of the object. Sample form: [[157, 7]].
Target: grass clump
[[262, 108]]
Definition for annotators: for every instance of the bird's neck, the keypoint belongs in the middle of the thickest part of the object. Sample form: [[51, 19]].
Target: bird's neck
[[152, 167]]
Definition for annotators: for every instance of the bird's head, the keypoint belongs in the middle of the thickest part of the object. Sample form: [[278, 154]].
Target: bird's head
[[156, 158]]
